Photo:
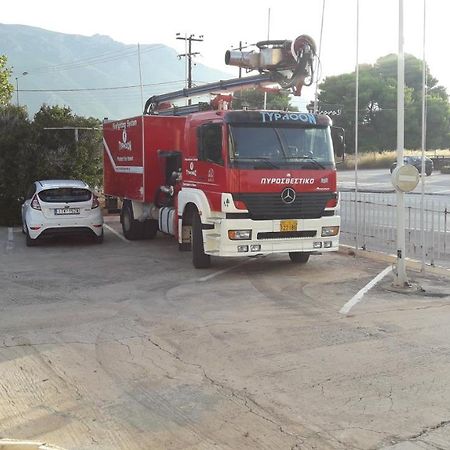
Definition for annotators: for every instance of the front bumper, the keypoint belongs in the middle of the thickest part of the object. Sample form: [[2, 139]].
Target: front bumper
[[267, 238]]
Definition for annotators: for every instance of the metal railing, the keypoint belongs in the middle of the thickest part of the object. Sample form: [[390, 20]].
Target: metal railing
[[376, 213]]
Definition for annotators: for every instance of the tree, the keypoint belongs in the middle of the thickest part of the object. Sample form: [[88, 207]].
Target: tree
[[254, 99], [6, 88], [16, 170], [62, 152], [378, 105]]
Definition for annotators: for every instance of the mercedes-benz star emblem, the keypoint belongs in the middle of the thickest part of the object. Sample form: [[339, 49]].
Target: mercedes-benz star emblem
[[288, 196]]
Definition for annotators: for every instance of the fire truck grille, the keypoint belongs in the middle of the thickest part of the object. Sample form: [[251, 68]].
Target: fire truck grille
[[286, 234], [309, 205]]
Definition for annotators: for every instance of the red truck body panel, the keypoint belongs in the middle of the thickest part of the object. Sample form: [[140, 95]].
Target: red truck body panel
[[132, 170]]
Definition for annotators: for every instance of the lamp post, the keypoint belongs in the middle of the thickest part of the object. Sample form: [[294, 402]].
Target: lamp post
[[17, 86]]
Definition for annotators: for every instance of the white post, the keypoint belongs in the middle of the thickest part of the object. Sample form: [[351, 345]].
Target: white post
[[424, 128], [400, 277], [356, 126], [316, 93]]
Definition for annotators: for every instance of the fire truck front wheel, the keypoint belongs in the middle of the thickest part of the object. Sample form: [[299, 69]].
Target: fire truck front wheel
[[199, 258], [132, 229], [299, 257]]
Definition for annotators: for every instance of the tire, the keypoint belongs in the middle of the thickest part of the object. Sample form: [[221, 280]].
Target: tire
[[132, 229], [30, 242], [428, 172], [150, 228], [299, 257], [99, 239], [200, 260]]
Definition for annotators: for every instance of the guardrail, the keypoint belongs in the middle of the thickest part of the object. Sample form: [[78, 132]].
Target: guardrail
[[369, 222]]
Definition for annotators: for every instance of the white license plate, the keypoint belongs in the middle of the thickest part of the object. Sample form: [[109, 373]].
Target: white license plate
[[66, 211]]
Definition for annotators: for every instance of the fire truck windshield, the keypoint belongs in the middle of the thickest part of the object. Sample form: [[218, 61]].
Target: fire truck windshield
[[280, 147]]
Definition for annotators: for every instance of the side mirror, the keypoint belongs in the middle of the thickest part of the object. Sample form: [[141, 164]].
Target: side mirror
[[338, 138]]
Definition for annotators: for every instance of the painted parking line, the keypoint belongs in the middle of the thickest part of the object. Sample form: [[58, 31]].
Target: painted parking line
[[120, 236], [228, 269], [359, 296], [10, 239]]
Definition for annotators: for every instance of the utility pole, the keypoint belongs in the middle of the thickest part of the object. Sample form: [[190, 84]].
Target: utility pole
[[189, 54], [17, 86]]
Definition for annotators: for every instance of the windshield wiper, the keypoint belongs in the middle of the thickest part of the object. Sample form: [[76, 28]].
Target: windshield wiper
[[309, 159], [267, 162]]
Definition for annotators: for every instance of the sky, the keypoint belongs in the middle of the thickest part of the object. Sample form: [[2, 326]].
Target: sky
[[224, 24]]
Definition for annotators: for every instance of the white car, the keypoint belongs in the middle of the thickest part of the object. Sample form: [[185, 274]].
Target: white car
[[55, 207]]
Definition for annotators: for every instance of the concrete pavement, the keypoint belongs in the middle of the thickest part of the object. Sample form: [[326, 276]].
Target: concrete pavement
[[126, 346]]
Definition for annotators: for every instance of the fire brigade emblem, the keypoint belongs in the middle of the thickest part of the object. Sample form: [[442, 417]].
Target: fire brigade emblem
[[288, 196], [124, 144]]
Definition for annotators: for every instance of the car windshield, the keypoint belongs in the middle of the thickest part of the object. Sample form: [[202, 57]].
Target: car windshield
[[280, 147], [65, 195]]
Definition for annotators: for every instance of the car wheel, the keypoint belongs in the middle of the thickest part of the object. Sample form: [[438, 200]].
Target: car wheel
[[428, 172], [29, 241], [200, 260], [132, 229], [299, 257]]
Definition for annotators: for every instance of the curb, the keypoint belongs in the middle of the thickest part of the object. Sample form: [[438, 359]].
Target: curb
[[15, 444], [413, 264]]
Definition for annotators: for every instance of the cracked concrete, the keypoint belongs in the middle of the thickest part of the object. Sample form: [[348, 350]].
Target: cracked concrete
[[129, 347]]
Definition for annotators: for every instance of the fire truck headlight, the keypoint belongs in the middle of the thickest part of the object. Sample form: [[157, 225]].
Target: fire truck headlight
[[236, 235], [242, 248], [330, 231]]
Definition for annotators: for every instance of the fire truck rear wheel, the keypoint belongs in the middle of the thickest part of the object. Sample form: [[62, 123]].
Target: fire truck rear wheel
[[132, 229], [199, 258], [299, 257]]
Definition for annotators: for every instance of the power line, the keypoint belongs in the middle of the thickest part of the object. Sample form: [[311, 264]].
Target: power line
[[93, 60], [101, 89]]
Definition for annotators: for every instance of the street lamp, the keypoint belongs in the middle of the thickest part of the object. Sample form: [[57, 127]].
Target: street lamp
[[17, 86]]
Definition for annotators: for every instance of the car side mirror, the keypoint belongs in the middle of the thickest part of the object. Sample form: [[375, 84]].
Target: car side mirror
[[338, 138]]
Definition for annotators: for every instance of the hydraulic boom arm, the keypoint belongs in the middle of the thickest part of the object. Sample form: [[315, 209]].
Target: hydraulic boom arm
[[287, 63]]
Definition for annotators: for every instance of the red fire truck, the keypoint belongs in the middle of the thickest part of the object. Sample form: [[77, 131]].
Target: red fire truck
[[230, 183]]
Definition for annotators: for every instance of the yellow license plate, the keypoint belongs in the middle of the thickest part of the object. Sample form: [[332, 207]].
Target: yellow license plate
[[288, 225]]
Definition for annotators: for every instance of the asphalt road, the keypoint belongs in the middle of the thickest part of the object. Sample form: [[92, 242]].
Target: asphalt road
[[125, 346], [380, 180]]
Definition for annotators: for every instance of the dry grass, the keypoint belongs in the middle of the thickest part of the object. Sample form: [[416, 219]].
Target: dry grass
[[383, 160]]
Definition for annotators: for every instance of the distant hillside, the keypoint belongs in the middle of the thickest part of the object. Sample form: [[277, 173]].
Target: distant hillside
[[62, 66]]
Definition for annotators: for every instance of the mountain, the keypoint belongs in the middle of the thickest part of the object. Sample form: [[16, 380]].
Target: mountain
[[95, 76]]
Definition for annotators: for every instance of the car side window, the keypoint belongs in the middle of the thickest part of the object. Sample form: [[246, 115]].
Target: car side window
[[31, 191], [210, 143]]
